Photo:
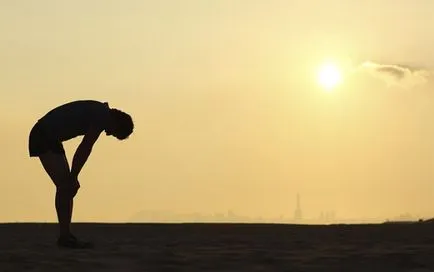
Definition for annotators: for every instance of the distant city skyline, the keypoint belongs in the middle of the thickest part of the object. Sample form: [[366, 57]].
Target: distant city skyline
[[232, 217]]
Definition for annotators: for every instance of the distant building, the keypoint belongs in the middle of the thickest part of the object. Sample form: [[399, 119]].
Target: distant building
[[298, 216], [327, 217]]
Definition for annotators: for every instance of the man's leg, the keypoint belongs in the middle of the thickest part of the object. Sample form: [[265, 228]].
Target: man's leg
[[56, 166]]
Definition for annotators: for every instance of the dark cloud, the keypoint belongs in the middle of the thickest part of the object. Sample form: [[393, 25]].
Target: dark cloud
[[396, 72], [405, 76]]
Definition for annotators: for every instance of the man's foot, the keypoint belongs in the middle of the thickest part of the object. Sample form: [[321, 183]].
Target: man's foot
[[72, 242]]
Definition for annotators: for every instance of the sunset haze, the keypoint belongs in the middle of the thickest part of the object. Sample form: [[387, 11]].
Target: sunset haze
[[227, 108]]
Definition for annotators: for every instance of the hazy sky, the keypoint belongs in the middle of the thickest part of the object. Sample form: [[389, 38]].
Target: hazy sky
[[227, 108]]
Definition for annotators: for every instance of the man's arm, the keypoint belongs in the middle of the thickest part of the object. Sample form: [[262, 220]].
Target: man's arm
[[83, 150]]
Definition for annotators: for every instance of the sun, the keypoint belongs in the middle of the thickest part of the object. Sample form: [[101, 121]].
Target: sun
[[329, 76]]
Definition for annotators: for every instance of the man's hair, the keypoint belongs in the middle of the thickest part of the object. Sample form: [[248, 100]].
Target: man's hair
[[124, 124]]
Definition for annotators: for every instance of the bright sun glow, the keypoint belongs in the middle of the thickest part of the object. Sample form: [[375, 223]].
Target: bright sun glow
[[329, 76]]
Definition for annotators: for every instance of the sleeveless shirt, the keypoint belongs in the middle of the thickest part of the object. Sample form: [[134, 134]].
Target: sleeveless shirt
[[75, 118]]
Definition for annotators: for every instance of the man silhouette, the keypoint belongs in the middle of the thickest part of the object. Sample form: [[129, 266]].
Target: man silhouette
[[87, 118]]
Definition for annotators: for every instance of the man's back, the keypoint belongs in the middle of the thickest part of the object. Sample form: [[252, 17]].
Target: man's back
[[74, 118]]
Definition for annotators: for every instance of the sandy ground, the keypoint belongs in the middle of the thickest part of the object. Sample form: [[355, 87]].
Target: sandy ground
[[222, 247]]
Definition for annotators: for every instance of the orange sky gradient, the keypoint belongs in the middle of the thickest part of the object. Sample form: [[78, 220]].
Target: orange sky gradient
[[227, 108]]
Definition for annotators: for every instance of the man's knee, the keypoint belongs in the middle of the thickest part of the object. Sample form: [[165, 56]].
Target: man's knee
[[67, 191]]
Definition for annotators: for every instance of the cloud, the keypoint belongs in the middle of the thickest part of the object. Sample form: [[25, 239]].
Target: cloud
[[398, 75]]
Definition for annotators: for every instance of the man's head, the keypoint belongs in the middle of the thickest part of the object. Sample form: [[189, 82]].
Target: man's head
[[120, 124]]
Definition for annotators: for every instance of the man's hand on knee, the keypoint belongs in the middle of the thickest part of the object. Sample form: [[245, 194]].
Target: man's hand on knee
[[75, 186], [69, 188]]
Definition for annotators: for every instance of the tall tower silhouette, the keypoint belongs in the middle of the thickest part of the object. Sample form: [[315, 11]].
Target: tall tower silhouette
[[298, 216]]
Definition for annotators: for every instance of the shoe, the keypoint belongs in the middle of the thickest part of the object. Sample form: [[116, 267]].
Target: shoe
[[73, 243]]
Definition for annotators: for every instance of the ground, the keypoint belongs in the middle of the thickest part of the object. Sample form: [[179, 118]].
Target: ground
[[222, 247]]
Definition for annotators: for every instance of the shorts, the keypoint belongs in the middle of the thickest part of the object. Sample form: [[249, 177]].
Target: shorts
[[41, 142]]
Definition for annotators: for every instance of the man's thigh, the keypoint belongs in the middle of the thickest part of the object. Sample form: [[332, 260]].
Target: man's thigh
[[57, 167]]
